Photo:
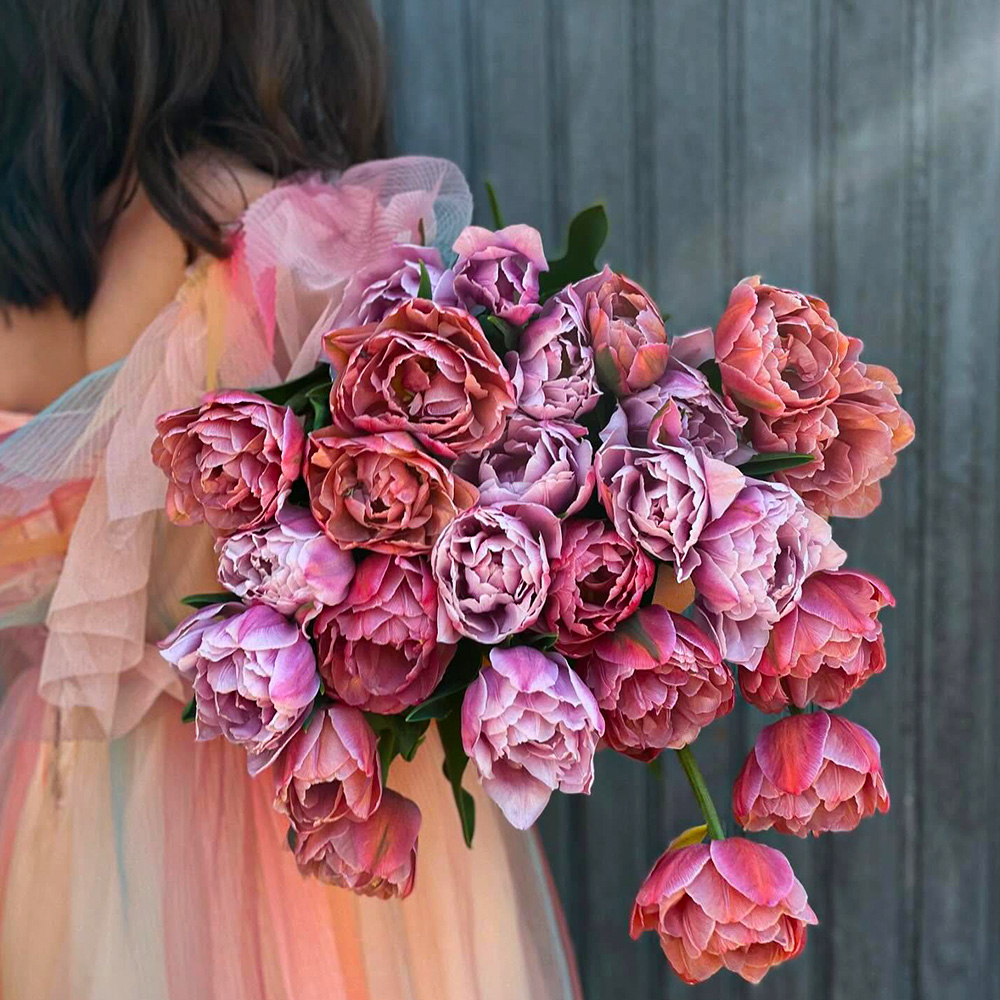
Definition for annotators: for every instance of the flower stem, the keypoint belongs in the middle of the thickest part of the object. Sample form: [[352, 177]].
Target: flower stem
[[795, 710], [700, 790]]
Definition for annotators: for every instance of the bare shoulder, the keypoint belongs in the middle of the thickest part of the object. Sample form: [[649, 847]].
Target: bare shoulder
[[145, 260]]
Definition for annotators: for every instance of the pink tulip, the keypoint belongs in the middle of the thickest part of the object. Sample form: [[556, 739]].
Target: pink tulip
[[373, 857], [553, 368], [231, 461], [681, 409], [855, 440], [730, 903], [530, 726], [825, 648], [427, 370], [662, 498], [659, 680], [597, 582], [288, 564], [253, 673], [379, 649], [777, 349], [549, 462], [630, 342], [381, 492], [375, 291], [329, 769], [810, 773], [497, 270], [493, 568], [750, 565]]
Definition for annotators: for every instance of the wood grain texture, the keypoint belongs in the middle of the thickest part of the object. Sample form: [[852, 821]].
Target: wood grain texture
[[851, 149]]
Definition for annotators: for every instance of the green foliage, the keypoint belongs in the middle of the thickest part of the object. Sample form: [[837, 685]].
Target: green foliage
[[397, 737], [424, 291], [455, 761], [586, 236], [494, 206], [447, 696], [286, 393], [189, 712], [765, 463], [503, 336], [710, 369], [205, 600]]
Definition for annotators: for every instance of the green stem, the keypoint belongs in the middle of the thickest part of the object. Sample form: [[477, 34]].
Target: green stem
[[700, 790], [795, 710]]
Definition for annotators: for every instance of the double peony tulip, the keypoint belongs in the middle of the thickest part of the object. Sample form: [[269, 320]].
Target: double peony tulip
[[662, 498], [750, 565], [493, 567], [597, 581], [230, 462], [427, 370], [288, 564], [855, 440], [659, 680], [375, 291], [549, 462], [553, 368], [328, 770], [530, 725], [498, 271], [729, 903], [379, 649], [825, 648], [381, 492], [680, 408], [810, 773], [626, 329], [253, 673], [778, 350], [373, 857]]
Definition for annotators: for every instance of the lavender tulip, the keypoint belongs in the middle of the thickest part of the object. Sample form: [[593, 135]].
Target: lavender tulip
[[548, 462], [530, 726]]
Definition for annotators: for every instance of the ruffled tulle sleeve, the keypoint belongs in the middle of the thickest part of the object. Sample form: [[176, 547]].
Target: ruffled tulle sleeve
[[254, 319]]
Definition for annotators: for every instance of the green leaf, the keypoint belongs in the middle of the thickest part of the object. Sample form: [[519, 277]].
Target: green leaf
[[292, 838], [206, 600], [318, 400], [710, 369], [455, 761], [281, 394], [587, 233], [396, 737], [190, 710], [424, 291], [503, 336], [462, 671], [544, 642], [766, 463], [494, 206]]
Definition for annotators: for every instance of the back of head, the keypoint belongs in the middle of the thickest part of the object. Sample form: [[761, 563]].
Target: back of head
[[99, 96]]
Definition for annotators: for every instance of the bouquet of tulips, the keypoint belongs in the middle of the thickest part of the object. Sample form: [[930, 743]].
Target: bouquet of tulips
[[506, 504]]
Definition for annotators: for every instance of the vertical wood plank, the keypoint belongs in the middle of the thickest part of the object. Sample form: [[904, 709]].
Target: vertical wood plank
[[864, 265], [427, 63], [957, 952]]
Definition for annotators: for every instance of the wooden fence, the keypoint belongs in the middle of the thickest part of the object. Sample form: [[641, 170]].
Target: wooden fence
[[846, 147]]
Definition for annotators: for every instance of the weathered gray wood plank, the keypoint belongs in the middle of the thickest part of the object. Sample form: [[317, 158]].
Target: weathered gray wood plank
[[957, 944]]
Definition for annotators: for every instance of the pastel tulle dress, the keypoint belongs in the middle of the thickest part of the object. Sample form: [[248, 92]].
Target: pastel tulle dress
[[135, 863]]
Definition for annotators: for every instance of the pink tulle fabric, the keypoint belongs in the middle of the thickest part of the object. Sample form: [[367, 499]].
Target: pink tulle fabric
[[133, 861]]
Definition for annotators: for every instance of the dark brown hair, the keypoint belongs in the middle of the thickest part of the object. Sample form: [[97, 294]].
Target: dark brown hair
[[99, 93]]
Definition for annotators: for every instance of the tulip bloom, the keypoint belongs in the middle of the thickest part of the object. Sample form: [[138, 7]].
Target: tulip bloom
[[530, 726], [810, 774], [373, 857], [731, 903]]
